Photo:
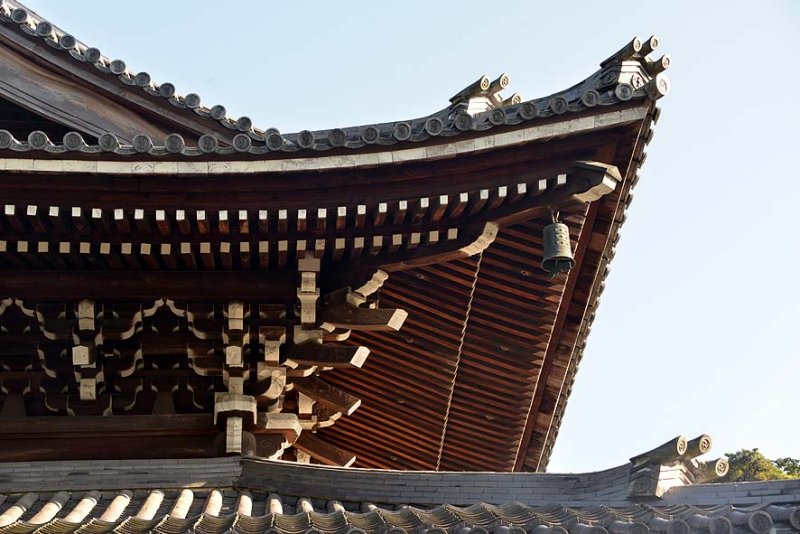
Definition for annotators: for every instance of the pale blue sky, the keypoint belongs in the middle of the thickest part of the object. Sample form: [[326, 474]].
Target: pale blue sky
[[697, 331]]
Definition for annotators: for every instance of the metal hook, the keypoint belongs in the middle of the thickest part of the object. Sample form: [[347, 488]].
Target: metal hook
[[554, 213]]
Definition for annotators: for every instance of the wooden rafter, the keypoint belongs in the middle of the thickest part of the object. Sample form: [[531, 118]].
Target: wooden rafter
[[323, 451], [327, 355]]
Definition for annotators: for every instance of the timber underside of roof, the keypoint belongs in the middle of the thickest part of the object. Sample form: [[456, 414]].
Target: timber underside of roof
[[490, 348], [477, 377], [452, 390], [473, 379], [120, 191]]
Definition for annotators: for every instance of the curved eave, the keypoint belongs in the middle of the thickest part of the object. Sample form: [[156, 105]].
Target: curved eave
[[481, 126], [628, 74], [631, 131], [457, 450], [453, 151], [582, 311], [56, 158], [497, 369]]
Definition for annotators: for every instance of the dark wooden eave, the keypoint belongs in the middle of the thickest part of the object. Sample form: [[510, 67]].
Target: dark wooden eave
[[156, 196]]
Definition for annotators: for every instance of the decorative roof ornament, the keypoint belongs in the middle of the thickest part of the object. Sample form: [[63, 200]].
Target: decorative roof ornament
[[627, 74], [484, 95], [655, 472]]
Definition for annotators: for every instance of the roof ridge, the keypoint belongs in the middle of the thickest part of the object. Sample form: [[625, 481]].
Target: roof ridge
[[33, 24], [354, 138], [609, 85]]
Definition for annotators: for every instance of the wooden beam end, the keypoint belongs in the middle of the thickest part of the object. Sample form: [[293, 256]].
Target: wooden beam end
[[398, 319], [360, 357]]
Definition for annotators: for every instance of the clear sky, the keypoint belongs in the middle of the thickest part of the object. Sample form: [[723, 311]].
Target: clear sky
[[698, 328]]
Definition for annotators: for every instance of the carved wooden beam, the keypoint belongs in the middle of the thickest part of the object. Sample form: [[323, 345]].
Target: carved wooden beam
[[323, 451], [272, 337], [327, 355], [84, 352], [233, 435], [343, 309], [270, 446], [271, 381], [351, 317], [451, 250], [308, 292], [286, 424], [327, 395], [235, 405], [376, 282]]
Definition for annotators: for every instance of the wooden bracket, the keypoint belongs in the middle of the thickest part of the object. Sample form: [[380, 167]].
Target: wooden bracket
[[323, 451], [327, 395], [272, 337], [271, 381], [327, 355], [308, 292], [342, 309]]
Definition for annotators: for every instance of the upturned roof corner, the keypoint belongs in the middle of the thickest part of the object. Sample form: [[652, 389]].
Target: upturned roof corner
[[198, 130], [673, 464]]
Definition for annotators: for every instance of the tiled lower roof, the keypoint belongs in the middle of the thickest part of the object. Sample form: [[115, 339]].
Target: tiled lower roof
[[227, 509], [258, 496]]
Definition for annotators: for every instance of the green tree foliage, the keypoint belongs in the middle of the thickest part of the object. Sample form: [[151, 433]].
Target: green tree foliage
[[790, 466], [749, 464]]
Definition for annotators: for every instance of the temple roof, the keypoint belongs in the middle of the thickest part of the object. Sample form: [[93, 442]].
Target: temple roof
[[240, 495], [116, 188], [477, 108]]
